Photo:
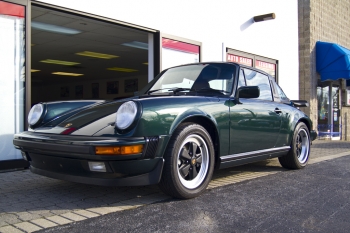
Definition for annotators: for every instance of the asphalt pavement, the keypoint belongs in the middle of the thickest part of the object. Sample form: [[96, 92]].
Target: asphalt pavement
[[315, 199], [257, 197]]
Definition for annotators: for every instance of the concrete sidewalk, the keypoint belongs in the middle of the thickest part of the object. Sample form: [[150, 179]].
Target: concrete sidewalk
[[30, 202]]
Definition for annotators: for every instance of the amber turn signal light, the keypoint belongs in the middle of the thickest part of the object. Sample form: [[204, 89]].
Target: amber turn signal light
[[118, 150]]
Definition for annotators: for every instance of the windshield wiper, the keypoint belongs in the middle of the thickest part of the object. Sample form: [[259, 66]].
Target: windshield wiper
[[212, 90], [173, 89], [149, 92]]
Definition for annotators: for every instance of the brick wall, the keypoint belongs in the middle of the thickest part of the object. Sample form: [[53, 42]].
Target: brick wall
[[324, 20]]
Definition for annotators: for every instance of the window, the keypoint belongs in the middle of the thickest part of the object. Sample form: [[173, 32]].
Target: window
[[12, 76], [254, 78], [178, 52], [268, 67], [200, 78], [241, 80], [281, 93], [239, 59]]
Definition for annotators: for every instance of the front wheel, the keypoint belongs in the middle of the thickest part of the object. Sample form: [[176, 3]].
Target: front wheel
[[298, 156], [189, 162]]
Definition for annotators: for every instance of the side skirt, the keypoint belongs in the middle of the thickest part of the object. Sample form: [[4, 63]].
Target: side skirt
[[251, 157]]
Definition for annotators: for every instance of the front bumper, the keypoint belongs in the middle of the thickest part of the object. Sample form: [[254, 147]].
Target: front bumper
[[313, 135], [67, 157]]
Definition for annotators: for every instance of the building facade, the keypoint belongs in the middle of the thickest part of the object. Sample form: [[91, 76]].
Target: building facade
[[58, 50], [325, 21]]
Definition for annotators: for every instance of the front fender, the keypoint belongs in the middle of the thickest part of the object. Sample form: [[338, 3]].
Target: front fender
[[189, 114]]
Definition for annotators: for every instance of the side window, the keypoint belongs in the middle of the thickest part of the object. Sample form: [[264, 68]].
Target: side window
[[281, 93], [254, 78], [241, 79]]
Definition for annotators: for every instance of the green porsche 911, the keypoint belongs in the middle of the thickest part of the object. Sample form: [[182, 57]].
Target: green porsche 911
[[187, 122]]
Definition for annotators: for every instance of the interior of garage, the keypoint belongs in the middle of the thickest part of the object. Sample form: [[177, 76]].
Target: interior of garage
[[75, 57]]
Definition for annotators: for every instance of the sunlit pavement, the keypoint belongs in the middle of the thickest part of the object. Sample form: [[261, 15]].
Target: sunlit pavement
[[30, 202]]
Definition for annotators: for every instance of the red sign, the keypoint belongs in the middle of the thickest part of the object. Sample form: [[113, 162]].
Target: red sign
[[240, 60], [269, 68], [180, 46], [265, 65], [11, 9]]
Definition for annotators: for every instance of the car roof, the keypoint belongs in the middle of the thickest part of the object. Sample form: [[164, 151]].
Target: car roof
[[233, 63]]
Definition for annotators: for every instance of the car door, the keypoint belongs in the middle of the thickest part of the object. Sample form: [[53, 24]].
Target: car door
[[254, 123], [287, 115]]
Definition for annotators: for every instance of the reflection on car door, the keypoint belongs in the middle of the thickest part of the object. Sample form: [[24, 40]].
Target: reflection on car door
[[254, 126], [254, 123]]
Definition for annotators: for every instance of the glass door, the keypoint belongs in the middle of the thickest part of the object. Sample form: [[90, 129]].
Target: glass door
[[329, 121]]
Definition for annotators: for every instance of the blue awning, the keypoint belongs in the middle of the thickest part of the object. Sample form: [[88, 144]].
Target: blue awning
[[332, 61]]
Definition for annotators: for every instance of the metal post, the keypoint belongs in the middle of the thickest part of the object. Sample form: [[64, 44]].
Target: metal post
[[330, 109]]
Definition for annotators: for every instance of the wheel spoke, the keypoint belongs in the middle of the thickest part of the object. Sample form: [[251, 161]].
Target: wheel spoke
[[184, 154], [184, 170], [199, 159], [193, 148], [193, 173]]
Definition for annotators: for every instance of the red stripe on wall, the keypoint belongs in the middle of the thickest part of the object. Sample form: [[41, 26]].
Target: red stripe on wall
[[181, 46], [11, 9]]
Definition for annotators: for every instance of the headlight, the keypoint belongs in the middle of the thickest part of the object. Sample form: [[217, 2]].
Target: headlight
[[35, 114], [126, 115]]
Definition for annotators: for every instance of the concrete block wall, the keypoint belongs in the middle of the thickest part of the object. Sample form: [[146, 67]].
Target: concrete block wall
[[320, 20]]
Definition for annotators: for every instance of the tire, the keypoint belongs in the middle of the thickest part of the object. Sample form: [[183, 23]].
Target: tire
[[187, 174], [298, 155]]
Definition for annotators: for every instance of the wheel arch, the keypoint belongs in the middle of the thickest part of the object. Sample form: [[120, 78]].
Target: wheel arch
[[306, 122], [211, 128]]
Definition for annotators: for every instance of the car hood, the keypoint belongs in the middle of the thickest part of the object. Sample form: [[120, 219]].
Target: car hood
[[89, 122]]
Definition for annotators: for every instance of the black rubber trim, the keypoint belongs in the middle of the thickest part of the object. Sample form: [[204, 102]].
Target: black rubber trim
[[150, 178], [53, 146], [13, 164], [282, 150], [251, 159]]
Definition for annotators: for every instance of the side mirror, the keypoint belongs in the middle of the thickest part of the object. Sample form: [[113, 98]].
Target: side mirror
[[248, 92]]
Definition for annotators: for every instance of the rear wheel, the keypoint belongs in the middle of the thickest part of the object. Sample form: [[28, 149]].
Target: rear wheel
[[189, 162], [298, 156]]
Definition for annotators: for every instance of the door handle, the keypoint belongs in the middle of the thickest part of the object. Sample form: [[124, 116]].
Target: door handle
[[278, 111]]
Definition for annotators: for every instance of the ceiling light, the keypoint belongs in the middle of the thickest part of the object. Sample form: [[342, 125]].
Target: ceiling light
[[97, 55], [57, 62], [67, 74], [146, 63], [121, 69], [34, 70], [137, 44], [54, 28]]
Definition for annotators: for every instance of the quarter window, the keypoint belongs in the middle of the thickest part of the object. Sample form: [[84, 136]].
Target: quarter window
[[281, 93], [254, 78]]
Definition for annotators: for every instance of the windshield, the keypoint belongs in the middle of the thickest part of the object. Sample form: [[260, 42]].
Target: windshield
[[196, 78]]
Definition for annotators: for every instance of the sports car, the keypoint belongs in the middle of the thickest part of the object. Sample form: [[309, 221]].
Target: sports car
[[187, 122]]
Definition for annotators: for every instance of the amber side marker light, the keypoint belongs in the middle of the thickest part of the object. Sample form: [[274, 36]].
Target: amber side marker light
[[118, 150]]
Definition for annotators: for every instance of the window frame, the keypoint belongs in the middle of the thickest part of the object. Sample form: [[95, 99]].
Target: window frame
[[262, 73]]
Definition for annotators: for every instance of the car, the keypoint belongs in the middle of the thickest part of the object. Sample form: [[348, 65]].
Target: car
[[187, 122]]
